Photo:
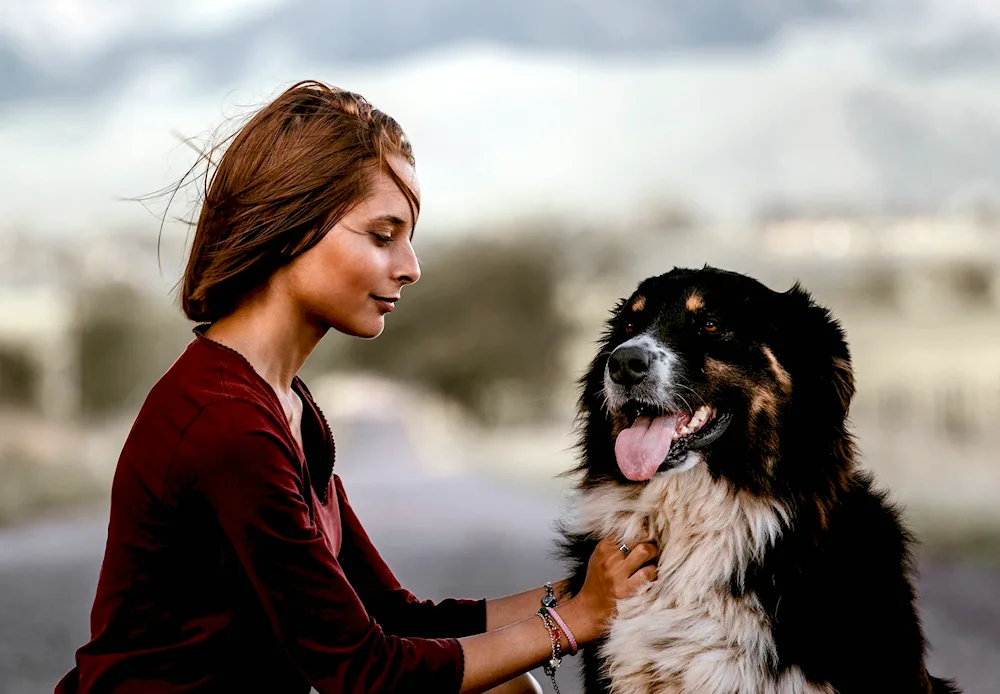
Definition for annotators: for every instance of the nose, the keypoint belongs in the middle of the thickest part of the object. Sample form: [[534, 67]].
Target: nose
[[408, 270], [628, 365]]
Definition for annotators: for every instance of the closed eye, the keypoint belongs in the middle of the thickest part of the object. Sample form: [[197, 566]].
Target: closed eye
[[382, 238]]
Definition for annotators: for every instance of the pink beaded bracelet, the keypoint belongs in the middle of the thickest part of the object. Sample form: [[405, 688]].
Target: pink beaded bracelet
[[562, 625]]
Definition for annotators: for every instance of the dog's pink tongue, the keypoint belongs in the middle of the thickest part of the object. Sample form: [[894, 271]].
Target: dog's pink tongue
[[643, 447]]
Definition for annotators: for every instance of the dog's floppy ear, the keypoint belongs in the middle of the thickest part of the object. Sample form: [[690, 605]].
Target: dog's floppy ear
[[820, 336]]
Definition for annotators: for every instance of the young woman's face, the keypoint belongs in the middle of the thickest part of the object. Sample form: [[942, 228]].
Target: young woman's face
[[353, 276]]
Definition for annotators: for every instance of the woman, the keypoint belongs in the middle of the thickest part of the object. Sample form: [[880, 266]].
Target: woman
[[234, 561]]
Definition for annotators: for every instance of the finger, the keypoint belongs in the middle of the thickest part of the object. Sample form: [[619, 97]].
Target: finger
[[643, 553], [608, 546], [601, 550], [612, 552], [642, 576]]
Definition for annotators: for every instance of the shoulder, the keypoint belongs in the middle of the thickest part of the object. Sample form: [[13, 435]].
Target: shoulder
[[208, 402], [232, 449], [206, 373], [233, 425], [207, 384]]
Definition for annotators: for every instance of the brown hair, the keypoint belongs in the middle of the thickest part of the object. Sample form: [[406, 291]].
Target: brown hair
[[296, 168]]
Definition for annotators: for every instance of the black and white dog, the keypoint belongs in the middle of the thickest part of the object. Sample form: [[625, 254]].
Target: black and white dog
[[713, 421]]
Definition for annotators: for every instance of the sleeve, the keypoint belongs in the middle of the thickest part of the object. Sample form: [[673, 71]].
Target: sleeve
[[233, 458], [396, 609]]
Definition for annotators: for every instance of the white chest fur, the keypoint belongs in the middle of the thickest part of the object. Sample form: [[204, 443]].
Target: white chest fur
[[686, 633]]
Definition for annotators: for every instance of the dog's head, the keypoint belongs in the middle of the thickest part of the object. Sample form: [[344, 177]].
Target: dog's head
[[712, 366]]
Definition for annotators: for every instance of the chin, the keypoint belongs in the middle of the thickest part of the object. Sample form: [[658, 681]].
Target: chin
[[366, 331], [713, 421], [372, 332]]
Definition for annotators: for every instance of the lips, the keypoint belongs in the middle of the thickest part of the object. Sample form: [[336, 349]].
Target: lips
[[386, 302]]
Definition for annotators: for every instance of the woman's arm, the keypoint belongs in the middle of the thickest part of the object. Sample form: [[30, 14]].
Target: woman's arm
[[505, 652], [400, 612], [501, 612], [234, 464], [396, 609]]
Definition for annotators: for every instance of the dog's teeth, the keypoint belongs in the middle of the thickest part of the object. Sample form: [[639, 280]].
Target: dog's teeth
[[699, 418]]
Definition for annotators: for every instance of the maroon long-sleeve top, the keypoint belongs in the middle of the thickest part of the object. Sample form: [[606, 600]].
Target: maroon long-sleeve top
[[234, 562]]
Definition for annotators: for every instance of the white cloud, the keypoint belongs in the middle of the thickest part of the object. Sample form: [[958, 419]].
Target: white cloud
[[50, 31], [502, 133]]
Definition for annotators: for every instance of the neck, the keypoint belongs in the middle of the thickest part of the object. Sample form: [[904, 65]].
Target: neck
[[272, 334]]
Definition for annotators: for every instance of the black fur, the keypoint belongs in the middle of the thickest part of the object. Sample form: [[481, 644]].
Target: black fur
[[838, 585]]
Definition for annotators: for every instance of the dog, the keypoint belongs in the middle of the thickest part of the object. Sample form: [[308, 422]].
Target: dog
[[713, 421]]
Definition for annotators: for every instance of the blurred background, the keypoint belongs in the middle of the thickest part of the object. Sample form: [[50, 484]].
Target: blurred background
[[566, 151]]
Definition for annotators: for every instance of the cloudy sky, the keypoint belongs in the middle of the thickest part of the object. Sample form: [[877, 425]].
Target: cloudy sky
[[517, 108]]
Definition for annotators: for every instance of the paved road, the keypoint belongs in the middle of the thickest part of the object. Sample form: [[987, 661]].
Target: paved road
[[459, 536]]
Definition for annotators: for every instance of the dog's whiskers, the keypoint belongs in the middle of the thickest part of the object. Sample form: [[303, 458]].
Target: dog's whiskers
[[696, 393], [686, 403]]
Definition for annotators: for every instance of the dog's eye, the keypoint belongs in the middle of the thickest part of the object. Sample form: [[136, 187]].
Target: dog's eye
[[629, 328], [710, 326]]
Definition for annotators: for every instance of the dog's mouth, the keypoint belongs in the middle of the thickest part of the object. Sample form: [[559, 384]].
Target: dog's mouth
[[658, 439]]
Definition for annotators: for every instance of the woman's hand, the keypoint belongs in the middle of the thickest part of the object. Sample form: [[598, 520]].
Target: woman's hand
[[611, 576], [500, 654]]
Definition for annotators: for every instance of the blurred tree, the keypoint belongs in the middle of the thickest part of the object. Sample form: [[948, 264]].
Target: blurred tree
[[126, 340], [877, 285], [112, 346], [18, 380], [481, 326], [971, 282]]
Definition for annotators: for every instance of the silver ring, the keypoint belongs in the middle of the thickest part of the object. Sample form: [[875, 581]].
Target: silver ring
[[624, 549]]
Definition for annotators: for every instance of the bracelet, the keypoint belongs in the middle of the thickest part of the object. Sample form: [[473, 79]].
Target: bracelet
[[549, 605], [550, 599], [569, 634], [556, 660]]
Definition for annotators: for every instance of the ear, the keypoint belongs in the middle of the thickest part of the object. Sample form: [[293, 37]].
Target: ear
[[823, 345]]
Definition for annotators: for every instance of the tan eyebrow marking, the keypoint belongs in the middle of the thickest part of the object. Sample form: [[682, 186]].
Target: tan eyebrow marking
[[639, 303], [784, 378], [695, 302]]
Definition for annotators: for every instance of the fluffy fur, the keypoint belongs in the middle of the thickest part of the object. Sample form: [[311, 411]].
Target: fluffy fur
[[782, 569]]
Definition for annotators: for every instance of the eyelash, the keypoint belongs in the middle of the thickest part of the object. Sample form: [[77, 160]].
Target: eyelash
[[382, 240]]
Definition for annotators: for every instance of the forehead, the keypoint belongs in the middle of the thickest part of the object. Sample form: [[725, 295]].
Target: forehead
[[696, 290], [385, 196], [406, 173]]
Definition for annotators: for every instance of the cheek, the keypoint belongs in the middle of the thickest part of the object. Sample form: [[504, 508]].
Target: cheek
[[338, 271], [720, 375], [764, 396], [723, 377]]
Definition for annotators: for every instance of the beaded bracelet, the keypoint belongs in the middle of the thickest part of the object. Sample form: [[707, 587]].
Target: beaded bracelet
[[550, 599], [565, 629], [556, 660], [549, 603]]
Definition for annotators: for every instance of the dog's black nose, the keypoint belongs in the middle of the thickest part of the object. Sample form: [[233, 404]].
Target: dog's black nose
[[628, 365]]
